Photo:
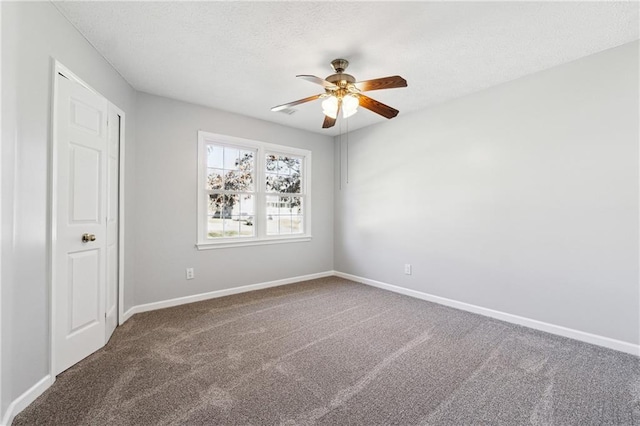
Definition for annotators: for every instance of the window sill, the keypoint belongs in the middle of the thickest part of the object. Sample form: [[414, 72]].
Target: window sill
[[261, 242]]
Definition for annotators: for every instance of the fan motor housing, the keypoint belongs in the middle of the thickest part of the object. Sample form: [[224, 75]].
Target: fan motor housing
[[341, 79]]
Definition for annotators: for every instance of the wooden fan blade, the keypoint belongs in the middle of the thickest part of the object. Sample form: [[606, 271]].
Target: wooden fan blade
[[381, 83], [294, 103], [318, 80], [377, 107], [330, 122]]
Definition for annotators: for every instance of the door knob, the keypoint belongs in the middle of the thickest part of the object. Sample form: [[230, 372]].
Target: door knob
[[88, 237]]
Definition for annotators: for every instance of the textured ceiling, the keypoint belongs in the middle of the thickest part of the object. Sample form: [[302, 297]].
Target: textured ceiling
[[243, 56]]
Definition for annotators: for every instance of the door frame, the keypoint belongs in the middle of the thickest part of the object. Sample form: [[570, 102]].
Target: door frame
[[59, 68]]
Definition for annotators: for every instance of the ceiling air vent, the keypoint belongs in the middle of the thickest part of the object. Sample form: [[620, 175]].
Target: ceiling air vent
[[288, 111]]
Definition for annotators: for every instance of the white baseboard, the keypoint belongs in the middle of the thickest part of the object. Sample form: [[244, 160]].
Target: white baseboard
[[220, 293], [21, 402], [595, 339]]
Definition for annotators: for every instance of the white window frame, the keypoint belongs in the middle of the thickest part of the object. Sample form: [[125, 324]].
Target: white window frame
[[260, 220]]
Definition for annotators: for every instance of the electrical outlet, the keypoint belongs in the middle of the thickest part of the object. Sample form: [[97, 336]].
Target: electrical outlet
[[407, 269], [190, 273]]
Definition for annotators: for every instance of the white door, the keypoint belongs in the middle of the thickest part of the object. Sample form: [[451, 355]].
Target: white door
[[80, 238], [113, 183]]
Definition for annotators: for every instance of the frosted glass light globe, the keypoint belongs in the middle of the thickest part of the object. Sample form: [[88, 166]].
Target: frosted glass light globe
[[330, 107], [349, 105]]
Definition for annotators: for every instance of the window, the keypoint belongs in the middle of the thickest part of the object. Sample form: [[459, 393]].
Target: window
[[251, 192], [284, 194]]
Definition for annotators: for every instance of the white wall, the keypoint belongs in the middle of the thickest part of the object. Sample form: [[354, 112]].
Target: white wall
[[32, 35], [165, 223], [522, 198]]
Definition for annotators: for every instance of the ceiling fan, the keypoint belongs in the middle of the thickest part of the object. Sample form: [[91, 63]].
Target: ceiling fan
[[343, 92]]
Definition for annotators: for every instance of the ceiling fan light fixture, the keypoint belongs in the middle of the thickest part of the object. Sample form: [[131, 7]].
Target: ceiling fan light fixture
[[349, 105], [343, 92], [330, 107]]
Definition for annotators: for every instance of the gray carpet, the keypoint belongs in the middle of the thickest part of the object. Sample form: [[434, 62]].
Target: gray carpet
[[333, 352]]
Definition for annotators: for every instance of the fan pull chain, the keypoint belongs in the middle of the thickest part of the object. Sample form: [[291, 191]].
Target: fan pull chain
[[347, 151], [340, 134], [340, 162]]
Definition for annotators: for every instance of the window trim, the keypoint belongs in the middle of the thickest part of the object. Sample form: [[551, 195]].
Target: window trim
[[261, 237]]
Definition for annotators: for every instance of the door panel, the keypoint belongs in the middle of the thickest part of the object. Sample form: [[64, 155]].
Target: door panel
[[80, 208], [86, 117], [85, 168], [84, 281]]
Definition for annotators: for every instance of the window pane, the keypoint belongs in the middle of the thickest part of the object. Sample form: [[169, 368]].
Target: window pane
[[231, 158], [247, 205], [246, 228], [247, 161], [220, 210], [283, 166], [220, 205], [284, 205], [272, 205], [271, 181], [271, 163], [214, 178], [237, 180], [272, 211], [214, 228], [214, 156], [296, 166], [297, 225], [246, 215], [285, 225], [272, 225], [293, 205], [231, 227]]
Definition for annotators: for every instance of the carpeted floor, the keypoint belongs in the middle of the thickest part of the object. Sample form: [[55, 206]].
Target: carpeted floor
[[333, 352]]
